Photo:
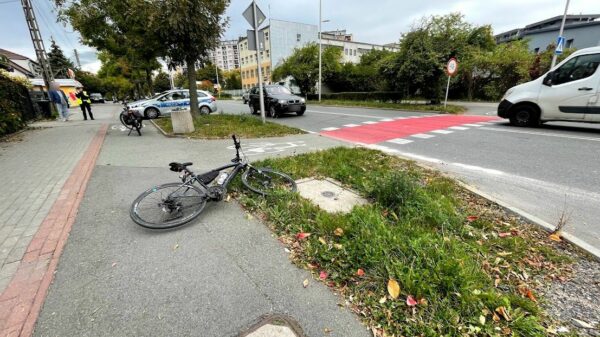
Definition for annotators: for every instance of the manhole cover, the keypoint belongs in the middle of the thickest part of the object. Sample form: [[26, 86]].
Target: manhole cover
[[328, 194]]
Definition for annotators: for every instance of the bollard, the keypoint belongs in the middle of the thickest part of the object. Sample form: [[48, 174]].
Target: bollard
[[182, 121]]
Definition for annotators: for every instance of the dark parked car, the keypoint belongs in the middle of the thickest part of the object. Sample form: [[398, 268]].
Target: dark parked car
[[278, 100], [96, 98]]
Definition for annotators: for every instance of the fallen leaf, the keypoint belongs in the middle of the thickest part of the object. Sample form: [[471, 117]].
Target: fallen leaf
[[321, 240], [228, 199], [175, 247], [382, 300], [482, 320], [287, 250], [496, 318], [410, 301], [497, 282], [327, 330], [530, 295], [360, 272], [393, 288], [422, 301], [502, 312], [302, 236], [472, 218], [504, 234], [504, 254], [323, 275], [311, 266], [338, 246], [249, 216], [114, 264], [555, 237], [305, 283], [338, 232]]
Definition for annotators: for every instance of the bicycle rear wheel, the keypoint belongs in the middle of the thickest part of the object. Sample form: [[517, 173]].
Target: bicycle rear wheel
[[265, 181], [167, 206]]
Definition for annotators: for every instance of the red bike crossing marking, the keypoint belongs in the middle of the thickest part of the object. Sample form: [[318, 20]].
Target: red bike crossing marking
[[380, 132]]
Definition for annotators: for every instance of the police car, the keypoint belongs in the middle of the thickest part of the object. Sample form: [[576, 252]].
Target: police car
[[164, 103]]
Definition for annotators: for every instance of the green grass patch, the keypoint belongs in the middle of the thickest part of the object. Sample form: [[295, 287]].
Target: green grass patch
[[451, 109], [461, 259], [218, 126]]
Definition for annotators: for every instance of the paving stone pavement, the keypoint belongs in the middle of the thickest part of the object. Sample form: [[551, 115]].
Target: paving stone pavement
[[35, 165]]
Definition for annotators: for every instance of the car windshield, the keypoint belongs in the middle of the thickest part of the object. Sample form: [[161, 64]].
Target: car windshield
[[278, 90]]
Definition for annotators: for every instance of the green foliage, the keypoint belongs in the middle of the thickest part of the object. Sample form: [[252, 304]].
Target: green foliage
[[14, 101], [381, 96], [415, 231], [450, 108], [303, 67], [364, 76], [58, 62], [232, 80], [181, 81], [90, 81], [222, 126], [162, 82]]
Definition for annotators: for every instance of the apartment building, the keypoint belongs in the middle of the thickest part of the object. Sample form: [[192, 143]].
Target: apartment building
[[226, 55], [282, 37]]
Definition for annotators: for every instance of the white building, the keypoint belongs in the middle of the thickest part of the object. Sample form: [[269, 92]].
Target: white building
[[20, 65], [226, 55], [352, 50]]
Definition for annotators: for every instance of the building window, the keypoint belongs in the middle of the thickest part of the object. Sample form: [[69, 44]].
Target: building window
[[354, 52], [345, 51], [570, 43], [298, 37]]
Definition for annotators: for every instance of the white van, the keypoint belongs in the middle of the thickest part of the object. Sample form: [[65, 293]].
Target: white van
[[569, 92]]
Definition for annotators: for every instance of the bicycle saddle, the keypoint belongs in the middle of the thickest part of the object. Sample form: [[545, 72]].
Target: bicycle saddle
[[178, 167]]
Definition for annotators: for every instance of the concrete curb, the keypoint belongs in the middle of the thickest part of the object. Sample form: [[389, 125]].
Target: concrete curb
[[164, 133], [595, 252]]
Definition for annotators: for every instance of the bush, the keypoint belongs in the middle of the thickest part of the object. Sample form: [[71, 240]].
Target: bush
[[381, 96], [15, 103]]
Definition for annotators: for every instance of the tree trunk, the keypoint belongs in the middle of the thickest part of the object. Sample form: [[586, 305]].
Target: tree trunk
[[191, 72], [149, 82]]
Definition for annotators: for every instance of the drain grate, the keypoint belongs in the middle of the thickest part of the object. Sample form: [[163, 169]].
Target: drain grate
[[328, 194]]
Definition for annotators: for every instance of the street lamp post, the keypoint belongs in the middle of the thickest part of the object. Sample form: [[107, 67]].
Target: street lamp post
[[562, 28]]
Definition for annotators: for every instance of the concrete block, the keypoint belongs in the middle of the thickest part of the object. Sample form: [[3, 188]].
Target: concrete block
[[270, 330], [182, 122]]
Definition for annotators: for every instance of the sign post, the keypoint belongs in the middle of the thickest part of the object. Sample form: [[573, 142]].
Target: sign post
[[255, 18], [451, 69], [560, 43]]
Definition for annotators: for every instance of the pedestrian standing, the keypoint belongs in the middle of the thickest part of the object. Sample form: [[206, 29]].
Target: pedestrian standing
[[58, 99], [85, 103]]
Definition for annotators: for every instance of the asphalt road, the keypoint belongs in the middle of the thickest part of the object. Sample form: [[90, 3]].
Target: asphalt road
[[550, 172]]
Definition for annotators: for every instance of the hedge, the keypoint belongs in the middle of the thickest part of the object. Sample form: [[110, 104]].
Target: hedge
[[381, 96], [15, 104]]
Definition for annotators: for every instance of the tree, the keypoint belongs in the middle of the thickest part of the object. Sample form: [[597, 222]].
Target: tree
[[303, 66], [90, 81], [58, 62], [187, 30], [232, 80], [162, 82], [180, 80]]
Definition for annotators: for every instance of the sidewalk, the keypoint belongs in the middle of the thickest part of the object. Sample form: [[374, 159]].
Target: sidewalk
[[39, 174], [216, 276]]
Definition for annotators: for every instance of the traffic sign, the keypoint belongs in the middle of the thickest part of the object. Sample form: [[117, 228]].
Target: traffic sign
[[452, 67], [260, 16], [560, 45]]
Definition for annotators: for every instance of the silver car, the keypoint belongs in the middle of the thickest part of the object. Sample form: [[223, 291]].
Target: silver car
[[164, 103]]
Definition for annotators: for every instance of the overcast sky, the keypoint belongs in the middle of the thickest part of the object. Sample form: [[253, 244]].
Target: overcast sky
[[379, 21]]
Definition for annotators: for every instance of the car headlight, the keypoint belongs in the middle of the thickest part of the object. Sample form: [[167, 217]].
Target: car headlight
[[282, 101], [302, 100]]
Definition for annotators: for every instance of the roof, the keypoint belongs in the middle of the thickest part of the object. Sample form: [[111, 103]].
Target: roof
[[581, 18], [13, 56], [63, 82], [16, 66]]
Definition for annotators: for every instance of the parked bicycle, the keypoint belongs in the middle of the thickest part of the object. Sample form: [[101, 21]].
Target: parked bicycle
[[171, 205], [131, 119]]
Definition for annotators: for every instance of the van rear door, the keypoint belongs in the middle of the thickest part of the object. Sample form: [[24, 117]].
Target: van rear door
[[593, 113], [573, 86]]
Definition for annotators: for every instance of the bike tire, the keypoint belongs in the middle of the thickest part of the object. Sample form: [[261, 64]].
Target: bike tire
[[259, 174], [196, 199]]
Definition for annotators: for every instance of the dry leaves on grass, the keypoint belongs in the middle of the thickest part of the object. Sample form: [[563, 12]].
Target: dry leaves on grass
[[393, 288]]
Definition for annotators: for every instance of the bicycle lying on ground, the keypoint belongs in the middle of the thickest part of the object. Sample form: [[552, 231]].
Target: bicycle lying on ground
[[171, 205]]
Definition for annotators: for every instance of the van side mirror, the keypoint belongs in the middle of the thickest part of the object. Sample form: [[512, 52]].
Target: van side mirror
[[548, 79]]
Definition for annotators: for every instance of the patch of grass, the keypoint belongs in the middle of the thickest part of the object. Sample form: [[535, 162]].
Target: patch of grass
[[461, 259], [219, 126], [451, 109]]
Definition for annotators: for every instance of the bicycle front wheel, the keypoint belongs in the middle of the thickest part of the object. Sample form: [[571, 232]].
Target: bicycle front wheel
[[265, 181], [167, 206]]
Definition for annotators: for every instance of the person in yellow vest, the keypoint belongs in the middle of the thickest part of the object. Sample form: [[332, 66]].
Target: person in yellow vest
[[84, 102]]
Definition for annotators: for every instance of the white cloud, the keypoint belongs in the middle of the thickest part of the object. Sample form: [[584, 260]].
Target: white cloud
[[92, 67]]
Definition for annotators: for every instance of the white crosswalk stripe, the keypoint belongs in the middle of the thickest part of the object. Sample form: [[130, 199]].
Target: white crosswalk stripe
[[387, 120], [400, 141], [329, 129], [460, 128], [370, 122], [475, 125], [443, 132], [351, 125], [422, 136]]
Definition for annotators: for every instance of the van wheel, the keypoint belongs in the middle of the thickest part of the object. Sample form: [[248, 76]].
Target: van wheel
[[524, 116]]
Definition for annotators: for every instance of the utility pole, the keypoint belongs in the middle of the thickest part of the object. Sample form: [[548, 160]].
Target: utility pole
[[320, 45], [77, 58], [562, 28], [217, 72], [38, 43], [261, 98]]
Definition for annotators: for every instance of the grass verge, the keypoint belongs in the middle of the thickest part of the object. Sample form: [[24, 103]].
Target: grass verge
[[218, 126], [463, 266], [451, 109]]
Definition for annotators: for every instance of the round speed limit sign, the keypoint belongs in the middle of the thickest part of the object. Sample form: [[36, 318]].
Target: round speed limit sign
[[452, 67]]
